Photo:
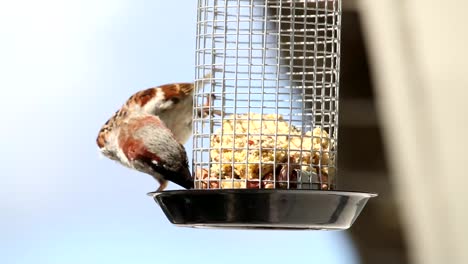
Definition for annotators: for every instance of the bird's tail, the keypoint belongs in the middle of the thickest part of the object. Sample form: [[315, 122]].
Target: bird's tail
[[203, 81], [189, 88]]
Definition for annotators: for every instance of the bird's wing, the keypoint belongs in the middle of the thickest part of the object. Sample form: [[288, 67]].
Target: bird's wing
[[152, 101], [165, 97], [159, 99]]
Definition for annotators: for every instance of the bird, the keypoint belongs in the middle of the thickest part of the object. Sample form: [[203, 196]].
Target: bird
[[172, 106], [172, 103], [142, 142]]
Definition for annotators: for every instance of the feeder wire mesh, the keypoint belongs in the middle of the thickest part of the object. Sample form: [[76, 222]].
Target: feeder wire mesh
[[271, 68]]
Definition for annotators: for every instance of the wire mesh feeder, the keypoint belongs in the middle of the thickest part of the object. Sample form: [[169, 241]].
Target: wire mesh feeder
[[269, 160]]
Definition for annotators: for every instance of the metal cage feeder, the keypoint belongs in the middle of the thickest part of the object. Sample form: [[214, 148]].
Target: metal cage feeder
[[265, 153]]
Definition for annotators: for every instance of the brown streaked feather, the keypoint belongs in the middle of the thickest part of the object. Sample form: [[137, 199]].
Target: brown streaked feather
[[174, 92], [171, 91], [177, 89], [139, 98], [142, 97]]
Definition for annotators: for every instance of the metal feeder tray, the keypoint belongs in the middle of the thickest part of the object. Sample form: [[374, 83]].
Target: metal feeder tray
[[262, 209]]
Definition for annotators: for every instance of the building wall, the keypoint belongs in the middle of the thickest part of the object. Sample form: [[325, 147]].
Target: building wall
[[419, 67]]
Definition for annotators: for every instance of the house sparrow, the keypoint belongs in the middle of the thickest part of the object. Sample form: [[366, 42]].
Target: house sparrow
[[171, 105], [142, 142]]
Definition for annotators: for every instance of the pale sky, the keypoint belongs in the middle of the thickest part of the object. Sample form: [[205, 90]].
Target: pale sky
[[65, 67]]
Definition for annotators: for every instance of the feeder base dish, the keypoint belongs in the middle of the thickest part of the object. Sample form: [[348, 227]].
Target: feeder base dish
[[262, 209]]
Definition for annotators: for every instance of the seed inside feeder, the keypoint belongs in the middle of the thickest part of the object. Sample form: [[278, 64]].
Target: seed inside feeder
[[265, 151]]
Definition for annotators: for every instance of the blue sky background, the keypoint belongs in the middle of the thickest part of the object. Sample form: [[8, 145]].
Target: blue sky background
[[65, 67]]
